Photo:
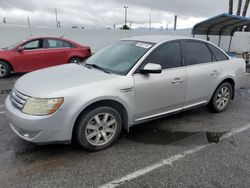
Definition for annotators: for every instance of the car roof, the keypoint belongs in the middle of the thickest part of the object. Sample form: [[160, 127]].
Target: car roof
[[45, 37], [158, 38], [53, 37]]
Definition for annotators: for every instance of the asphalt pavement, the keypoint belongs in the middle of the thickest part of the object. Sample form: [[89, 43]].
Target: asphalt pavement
[[222, 163]]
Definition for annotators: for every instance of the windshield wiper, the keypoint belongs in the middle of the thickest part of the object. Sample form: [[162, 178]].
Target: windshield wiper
[[98, 67]]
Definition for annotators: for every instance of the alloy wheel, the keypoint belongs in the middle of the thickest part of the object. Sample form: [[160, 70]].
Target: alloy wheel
[[101, 129], [2, 70], [223, 97], [76, 61]]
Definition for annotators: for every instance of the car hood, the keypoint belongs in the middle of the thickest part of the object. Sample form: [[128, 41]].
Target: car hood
[[51, 81]]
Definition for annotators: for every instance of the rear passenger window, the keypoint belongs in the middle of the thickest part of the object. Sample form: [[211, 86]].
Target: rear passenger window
[[167, 55], [67, 45], [196, 53], [55, 43], [218, 54]]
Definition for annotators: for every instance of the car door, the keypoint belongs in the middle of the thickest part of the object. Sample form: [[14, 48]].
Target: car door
[[158, 94], [202, 72], [56, 51], [31, 57]]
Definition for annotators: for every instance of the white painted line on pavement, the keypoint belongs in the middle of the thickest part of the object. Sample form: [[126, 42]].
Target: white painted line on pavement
[[235, 131], [167, 161], [2, 112], [148, 169]]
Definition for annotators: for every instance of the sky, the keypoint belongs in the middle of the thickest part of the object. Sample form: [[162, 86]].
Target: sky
[[106, 13]]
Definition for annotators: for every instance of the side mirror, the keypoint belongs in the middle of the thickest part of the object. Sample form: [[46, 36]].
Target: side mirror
[[151, 68], [19, 48]]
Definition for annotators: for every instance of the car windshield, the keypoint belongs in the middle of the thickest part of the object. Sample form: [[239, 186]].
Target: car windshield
[[13, 45], [119, 57]]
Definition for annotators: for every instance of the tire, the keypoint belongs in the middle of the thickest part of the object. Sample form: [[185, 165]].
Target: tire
[[93, 134], [76, 60], [4, 69], [221, 98]]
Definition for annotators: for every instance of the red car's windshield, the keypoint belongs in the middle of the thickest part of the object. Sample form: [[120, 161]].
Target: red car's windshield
[[14, 45]]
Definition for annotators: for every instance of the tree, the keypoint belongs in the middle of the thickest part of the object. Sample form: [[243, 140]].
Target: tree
[[125, 27]]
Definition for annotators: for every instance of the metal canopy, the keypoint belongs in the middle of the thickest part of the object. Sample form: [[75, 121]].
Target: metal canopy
[[223, 24]]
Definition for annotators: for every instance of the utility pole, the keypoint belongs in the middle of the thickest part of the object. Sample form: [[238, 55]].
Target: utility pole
[[175, 22], [56, 18], [28, 19], [149, 22], [125, 7]]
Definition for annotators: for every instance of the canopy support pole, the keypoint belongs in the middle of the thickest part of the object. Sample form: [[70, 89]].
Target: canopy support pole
[[219, 40], [230, 42]]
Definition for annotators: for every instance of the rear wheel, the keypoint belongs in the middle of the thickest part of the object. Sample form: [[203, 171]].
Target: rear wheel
[[221, 98], [76, 60], [98, 128], [4, 69]]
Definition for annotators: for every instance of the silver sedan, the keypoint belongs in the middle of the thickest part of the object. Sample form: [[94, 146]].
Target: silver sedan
[[126, 83]]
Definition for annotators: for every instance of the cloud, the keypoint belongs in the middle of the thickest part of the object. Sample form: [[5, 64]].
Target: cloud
[[99, 13]]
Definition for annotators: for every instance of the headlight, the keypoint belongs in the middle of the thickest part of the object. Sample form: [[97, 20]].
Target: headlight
[[35, 106]]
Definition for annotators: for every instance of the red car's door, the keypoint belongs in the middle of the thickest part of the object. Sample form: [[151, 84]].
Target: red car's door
[[31, 57], [56, 52]]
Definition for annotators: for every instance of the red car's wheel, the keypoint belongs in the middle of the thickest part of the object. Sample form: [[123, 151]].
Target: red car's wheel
[[4, 69], [76, 60]]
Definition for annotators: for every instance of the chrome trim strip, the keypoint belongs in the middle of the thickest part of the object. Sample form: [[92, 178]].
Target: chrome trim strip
[[195, 104], [159, 114], [20, 95], [171, 111], [16, 104], [18, 99]]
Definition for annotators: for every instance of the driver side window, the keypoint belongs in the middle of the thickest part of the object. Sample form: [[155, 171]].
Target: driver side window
[[35, 44], [167, 55]]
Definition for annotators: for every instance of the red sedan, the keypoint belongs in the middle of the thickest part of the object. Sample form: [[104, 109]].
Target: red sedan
[[40, 52]]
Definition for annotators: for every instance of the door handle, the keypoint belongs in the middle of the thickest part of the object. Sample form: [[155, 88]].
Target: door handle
[[215, 73], [177, 81]]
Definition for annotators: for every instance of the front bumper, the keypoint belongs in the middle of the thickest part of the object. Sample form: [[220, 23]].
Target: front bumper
[[39, 129]]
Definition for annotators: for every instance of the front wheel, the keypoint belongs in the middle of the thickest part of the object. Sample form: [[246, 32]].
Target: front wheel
[[4, 69], [76, 60], [98, 128], [221, 98]]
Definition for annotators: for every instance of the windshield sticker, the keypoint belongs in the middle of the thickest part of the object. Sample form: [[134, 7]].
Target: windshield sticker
[[143, 45]]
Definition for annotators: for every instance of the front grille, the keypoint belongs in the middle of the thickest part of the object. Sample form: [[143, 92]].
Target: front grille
[[18, 99]]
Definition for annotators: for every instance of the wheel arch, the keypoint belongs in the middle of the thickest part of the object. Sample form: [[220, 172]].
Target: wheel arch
[[229, 80], [109, 102], [11, 67]]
